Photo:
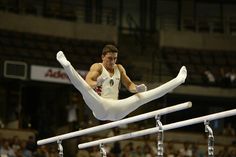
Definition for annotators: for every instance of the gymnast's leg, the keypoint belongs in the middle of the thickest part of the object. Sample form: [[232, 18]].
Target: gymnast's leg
[[75, 78], [107, 109], [93, 100], [121, 108]]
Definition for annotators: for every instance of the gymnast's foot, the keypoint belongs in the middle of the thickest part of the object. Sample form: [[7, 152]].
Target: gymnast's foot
[[62, 59], [182, 74]]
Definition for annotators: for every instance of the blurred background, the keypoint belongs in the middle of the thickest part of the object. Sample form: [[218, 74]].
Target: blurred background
[[155, 38]]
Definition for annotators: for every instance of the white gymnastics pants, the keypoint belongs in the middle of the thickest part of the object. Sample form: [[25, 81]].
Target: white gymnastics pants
[[109, 109]]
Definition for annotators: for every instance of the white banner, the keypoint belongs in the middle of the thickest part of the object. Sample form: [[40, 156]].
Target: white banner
[[51, 74]]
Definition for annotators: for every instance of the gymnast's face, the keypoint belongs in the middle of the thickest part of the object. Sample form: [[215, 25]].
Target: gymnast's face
[[109, 60]]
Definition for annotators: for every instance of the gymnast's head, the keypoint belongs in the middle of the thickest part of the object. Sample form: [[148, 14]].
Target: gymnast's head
[[109, 56]]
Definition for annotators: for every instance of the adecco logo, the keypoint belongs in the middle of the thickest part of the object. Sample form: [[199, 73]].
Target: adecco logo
[[56, 74]]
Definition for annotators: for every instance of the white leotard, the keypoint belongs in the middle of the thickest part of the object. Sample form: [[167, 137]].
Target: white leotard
[[110, 87], [110, 109]]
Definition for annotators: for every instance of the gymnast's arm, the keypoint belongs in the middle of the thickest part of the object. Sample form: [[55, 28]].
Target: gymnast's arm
[[126, 80], [93, 74]]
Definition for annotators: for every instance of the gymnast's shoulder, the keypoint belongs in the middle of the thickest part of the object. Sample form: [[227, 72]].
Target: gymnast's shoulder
[[120, 67], [96, 67]]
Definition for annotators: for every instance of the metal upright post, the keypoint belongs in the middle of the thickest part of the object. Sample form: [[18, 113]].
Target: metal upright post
[[102, 150], [160, 137], [210, 139], [60, 148]]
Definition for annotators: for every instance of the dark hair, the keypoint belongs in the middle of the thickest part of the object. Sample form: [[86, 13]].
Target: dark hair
[[109, 48]]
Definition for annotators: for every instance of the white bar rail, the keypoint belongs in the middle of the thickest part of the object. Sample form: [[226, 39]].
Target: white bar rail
[[117, 123], [155, 130]]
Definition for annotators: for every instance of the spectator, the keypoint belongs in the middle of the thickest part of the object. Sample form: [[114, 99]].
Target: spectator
[[1, 124], [209, 78], [1, 140], [139, 151], [230, 77], [6, 150], [15, 143], [116, 149], [24, 150], [113, 132], [53, 152], [31, 144], [196, 151], [72, 116], [233, 77], [82, 153], [147, 150], [186, 151], [224, 153], [41, 152], [233, 153], [170, 151], [128, 150], [227, 78], [94, 152], [229, 130]]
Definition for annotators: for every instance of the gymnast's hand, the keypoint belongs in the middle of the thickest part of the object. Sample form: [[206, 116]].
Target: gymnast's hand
[[100, 80], [141, 88]]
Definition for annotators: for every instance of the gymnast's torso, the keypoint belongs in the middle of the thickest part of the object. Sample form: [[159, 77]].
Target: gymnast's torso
[[110, 87]]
